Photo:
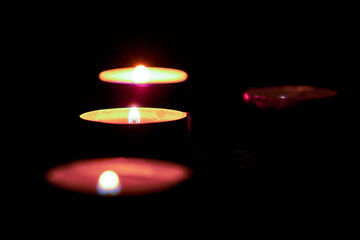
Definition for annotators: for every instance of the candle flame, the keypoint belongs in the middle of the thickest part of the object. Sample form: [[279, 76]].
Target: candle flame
[[134, 115], [108, 184], [140, 74]]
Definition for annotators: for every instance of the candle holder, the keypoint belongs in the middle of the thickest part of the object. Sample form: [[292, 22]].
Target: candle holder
[[286, 97], [289, 122], [154, 132]]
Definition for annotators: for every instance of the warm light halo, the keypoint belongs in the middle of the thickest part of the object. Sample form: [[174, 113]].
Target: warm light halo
[[121, 115], [156, 75], [140, 74]]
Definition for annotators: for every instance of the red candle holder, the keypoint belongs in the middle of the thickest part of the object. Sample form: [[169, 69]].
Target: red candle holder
[[285, 97], [295, 122]]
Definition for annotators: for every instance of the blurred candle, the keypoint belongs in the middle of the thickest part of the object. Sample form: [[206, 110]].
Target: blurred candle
[[142, 75], [284, 97], [121, 176]]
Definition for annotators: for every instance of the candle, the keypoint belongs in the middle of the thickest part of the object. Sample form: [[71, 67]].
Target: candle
[[150, 132], [284, 97], [120, 176], [133, 115], [142, 75], [293, 122]]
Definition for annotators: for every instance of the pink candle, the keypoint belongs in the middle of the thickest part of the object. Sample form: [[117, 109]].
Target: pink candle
[[121, 176]]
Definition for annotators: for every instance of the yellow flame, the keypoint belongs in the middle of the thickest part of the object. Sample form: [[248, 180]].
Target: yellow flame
[[140, 74], [109, 183], [134, 116]]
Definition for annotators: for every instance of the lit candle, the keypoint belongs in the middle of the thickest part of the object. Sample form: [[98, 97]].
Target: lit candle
[[133, 115], [283, 97], [149, 132], [118, 176], [143, 75]]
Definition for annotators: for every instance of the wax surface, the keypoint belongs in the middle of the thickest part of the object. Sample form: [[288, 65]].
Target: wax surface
[[121, 115], [137, 176], [156, 75]]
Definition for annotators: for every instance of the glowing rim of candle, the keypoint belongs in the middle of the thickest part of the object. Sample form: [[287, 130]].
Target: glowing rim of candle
[[156, 75], [122, 114], [264, 93]]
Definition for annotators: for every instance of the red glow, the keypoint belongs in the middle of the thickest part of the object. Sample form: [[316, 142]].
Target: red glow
[[246, 97], [121, 115], [138, 176]]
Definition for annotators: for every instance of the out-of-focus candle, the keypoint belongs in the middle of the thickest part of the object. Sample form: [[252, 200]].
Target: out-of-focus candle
[[283, 97], [118, 176], [133, 115], [143, 75]]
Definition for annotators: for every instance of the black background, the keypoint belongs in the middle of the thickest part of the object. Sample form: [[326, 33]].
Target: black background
[[225, 49]]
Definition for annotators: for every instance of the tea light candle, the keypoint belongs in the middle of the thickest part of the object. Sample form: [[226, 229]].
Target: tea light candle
[[283, 97], [143, 75], [133, 115], [139, 130], [121, 176]]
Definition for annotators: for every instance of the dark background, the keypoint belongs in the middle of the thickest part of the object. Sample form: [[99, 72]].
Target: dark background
[[224, 48]]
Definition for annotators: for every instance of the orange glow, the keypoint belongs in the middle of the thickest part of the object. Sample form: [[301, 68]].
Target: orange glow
[[129, 116], [137, 176], [143, 75]]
